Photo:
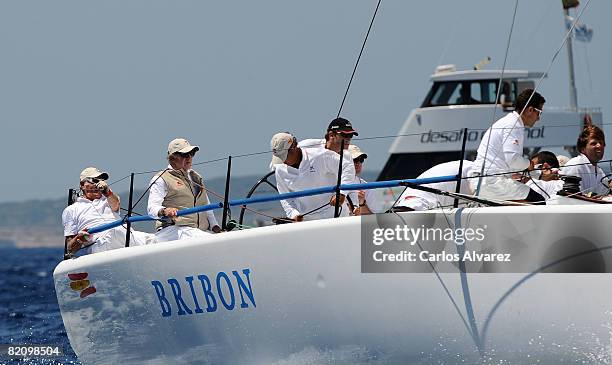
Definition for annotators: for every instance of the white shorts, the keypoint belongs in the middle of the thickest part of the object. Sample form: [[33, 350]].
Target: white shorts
[[173, 233], [115, 238]]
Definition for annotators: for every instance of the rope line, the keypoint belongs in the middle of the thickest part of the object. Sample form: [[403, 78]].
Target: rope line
[[497, 97], [358, 58], [565, 38]]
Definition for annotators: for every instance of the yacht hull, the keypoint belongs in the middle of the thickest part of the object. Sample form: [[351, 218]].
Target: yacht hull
[[285, 293]]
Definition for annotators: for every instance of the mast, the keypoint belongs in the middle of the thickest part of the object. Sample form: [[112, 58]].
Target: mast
[[570, 56]]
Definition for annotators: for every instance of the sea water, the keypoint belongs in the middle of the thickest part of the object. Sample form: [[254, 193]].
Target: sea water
[[29, 313]]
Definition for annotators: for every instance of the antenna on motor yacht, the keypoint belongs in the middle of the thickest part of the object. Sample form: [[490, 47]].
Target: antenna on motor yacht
[[567, 4]]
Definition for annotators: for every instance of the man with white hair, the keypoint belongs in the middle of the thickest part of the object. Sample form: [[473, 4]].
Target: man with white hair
[[298, 169], [179, 187], [98, 205]]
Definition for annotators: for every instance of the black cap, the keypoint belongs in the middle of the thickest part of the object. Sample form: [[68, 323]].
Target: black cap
[[341, 125]]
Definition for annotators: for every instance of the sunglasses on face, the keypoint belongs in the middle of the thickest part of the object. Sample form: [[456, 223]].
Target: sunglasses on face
[[538, 110], [359, 160], [93, 180], [185, 155]]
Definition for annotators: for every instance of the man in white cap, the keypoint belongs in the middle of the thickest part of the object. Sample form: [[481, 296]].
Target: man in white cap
[[365, 201], [98, 205], [298, 169], [179, 187]]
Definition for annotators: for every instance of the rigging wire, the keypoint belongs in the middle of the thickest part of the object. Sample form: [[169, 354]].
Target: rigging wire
[[552, 61], [358, 58], [499, 86], [450, 296]]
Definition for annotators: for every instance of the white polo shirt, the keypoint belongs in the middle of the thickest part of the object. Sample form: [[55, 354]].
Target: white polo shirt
[[505, 151], [591, 175], [503, 155], [318, 168], [85, 213]]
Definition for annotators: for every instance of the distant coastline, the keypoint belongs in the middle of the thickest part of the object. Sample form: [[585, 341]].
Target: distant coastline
[[37, 223]]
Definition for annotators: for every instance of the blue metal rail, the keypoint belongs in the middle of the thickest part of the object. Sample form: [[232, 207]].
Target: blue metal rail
[[269, 198]]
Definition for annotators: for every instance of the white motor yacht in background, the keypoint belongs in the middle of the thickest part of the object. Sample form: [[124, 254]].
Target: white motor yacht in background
[[433, 133]]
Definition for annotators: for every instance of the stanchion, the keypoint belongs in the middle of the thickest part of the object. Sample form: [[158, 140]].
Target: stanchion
[[129, 213], [337, 206], [460, 173], [226, 196]]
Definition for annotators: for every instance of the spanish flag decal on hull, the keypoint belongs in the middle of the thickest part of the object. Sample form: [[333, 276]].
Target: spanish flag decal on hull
[[79, 282]]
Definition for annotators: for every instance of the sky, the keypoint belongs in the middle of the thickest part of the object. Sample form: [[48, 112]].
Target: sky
[[110, 83]]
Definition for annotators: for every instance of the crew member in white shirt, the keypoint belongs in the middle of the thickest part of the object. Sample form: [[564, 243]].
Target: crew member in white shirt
[[501, 152], [338, 130], [298, 169], [414, 199], [544, 178], [98, 205], [365, 201], [591, 145], [186, 190]]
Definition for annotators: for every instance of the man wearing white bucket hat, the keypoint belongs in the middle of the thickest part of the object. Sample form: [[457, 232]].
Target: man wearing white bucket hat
[[179, 187], [98, 205]]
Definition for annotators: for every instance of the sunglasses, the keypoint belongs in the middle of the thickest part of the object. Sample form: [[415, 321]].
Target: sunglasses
[[185, 155], [359, 160], [538, 110], [93, 180]]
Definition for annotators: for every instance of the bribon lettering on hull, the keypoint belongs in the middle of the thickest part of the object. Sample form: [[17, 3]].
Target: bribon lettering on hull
[[199, 294]]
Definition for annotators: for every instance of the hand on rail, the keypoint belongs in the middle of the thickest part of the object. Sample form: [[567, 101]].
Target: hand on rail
[[169, 212], [361, 196], [216, 229], [332, 200], [77, 241], [298, 218]]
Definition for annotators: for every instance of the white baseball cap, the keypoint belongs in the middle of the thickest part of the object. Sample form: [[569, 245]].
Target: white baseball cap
[[280, 144], [93, 172], [356, 152], [181, 145], [562, 160]]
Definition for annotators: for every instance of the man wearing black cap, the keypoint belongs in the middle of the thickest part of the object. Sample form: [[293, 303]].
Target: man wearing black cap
[[338, 130]]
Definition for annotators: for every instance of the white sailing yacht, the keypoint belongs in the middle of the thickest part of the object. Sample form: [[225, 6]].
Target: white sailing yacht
[[518, 284]]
